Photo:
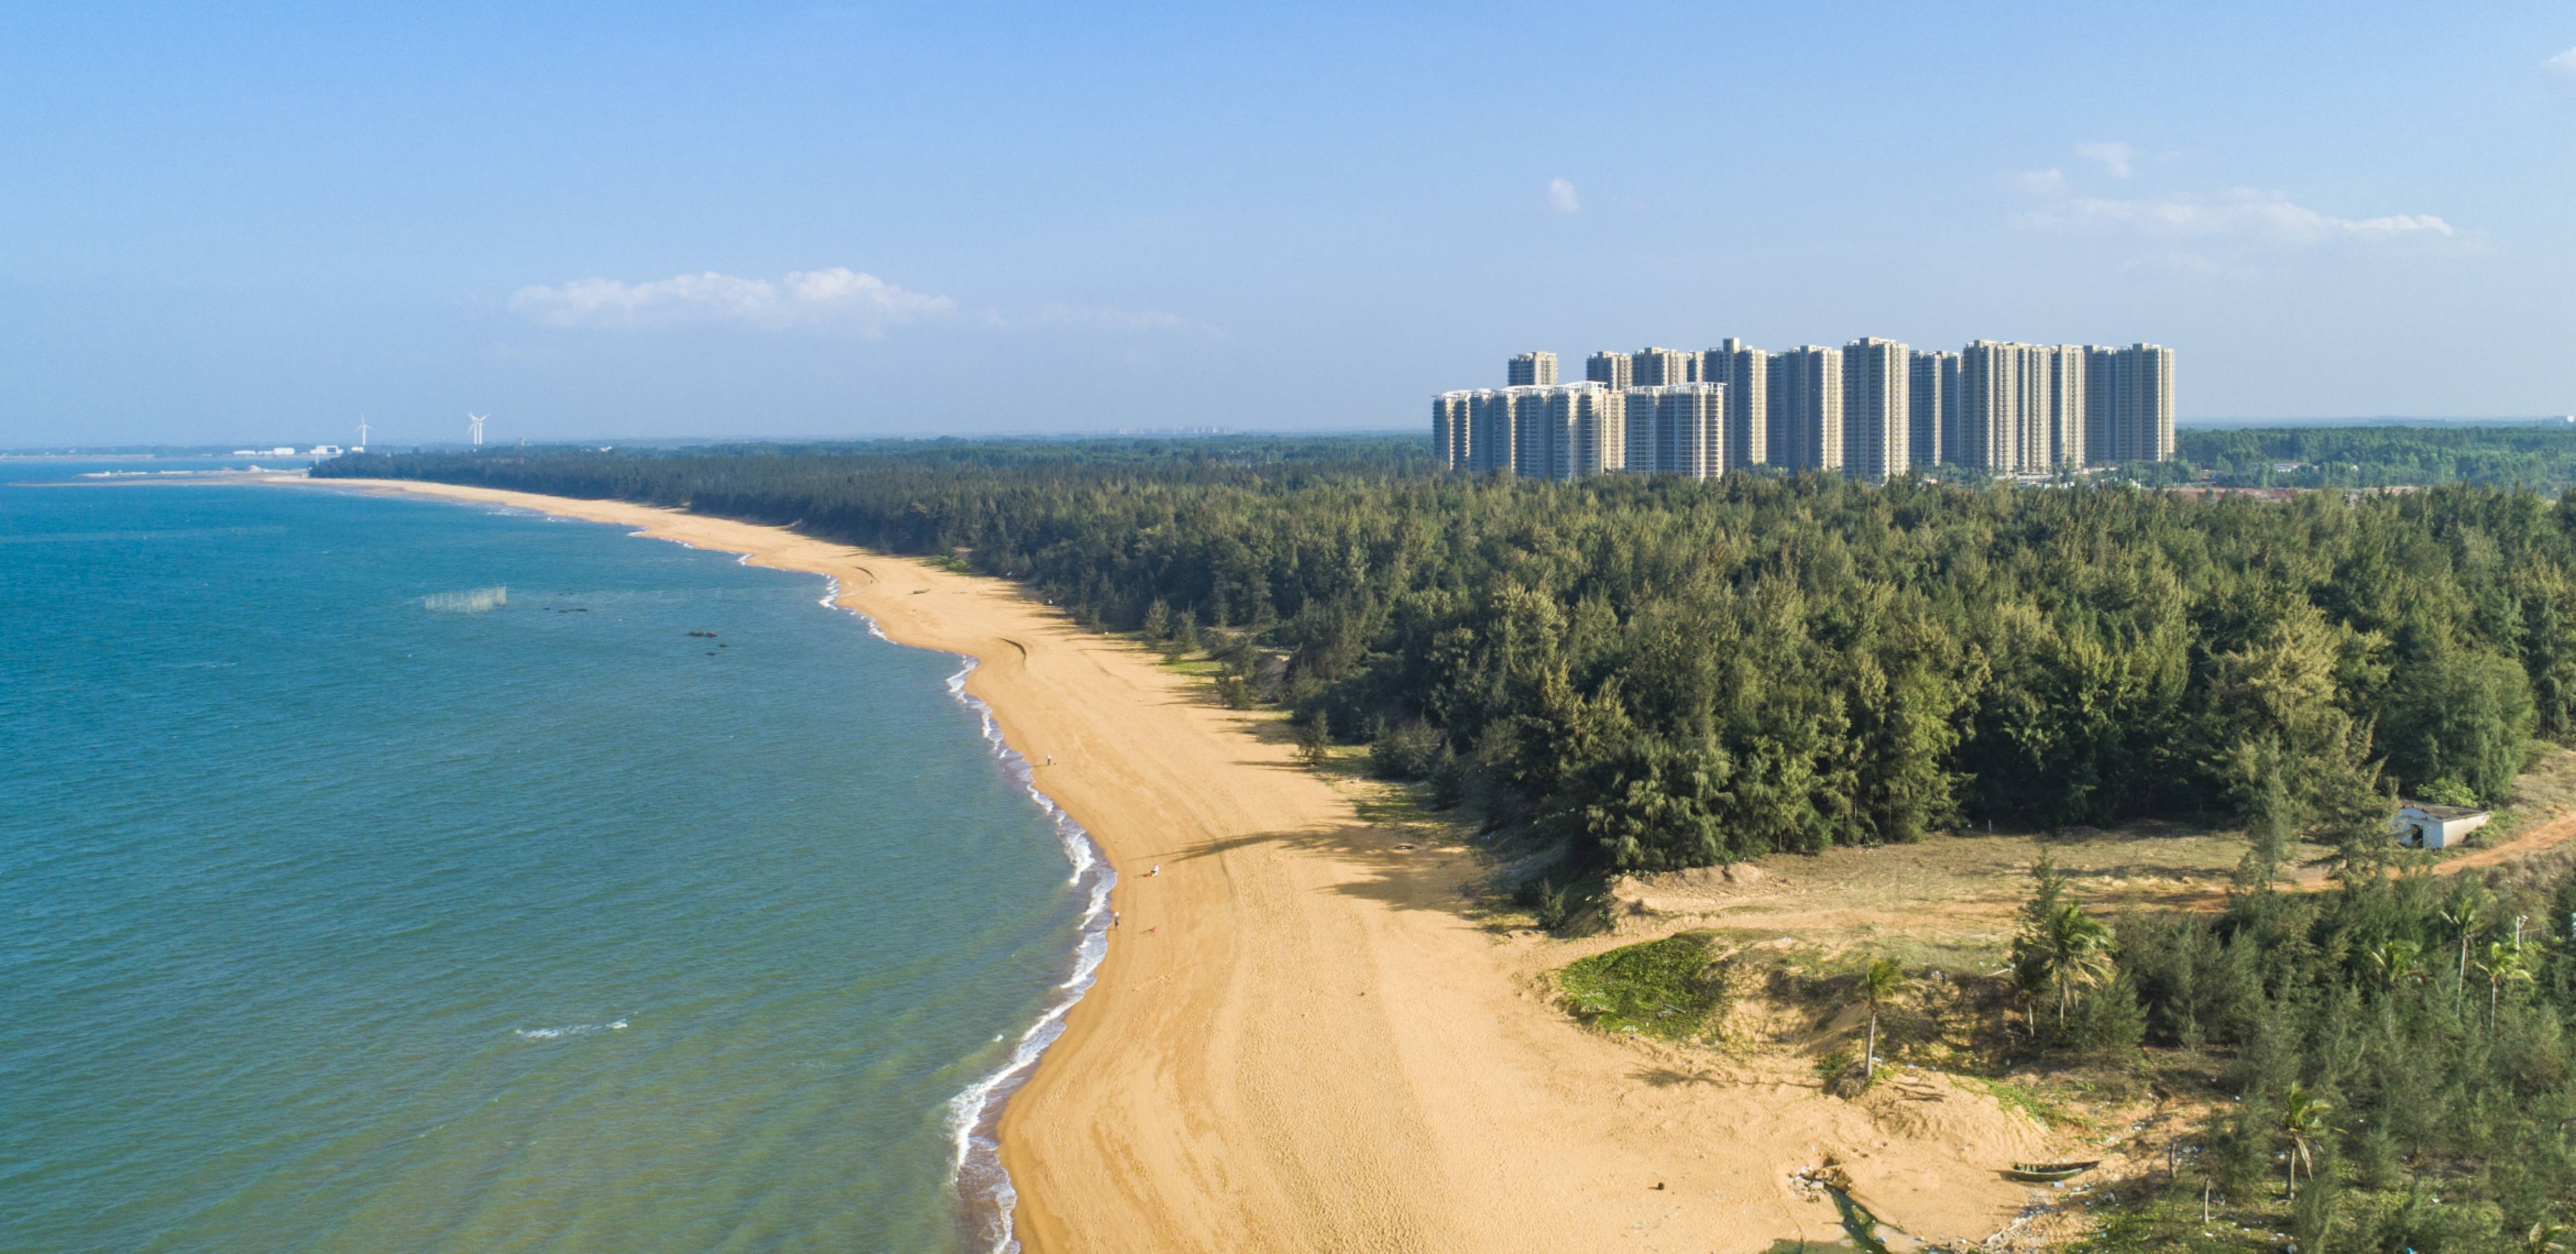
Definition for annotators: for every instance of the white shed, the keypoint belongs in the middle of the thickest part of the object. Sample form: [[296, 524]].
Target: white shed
[[2421, 826]]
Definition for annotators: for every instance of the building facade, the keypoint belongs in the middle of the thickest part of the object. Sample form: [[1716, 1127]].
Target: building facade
[[1533, 369], [1807, 408], [1571, 431], [1652, 367], [2070, 441], [1878, 416], [1612, 370], [2142, 403], [1677, 429], [2101, 443], [1745, 373], [1991, 376], [1932, 402], [1450, 412]]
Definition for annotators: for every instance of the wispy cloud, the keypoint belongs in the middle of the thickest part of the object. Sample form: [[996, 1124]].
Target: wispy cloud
[[833, 297], [2243, 213], [2564, 63], [2048, 182], [2114, 155], [1561, 197]]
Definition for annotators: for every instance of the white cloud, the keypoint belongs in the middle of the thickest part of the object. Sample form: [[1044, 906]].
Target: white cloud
[[2048, 182], [2243, 213], [2114, 155], [2563, 63], [832, 297], [1561, 197]]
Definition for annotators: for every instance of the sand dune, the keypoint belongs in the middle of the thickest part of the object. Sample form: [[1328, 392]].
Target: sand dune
[[1300, 1042]]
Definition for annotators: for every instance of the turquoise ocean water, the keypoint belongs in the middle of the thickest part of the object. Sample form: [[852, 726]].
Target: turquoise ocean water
[[346, 905]]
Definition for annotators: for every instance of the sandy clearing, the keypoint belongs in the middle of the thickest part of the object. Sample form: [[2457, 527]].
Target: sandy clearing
[[1300, 1042]]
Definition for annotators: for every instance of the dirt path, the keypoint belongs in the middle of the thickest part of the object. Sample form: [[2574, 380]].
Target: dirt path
[[1300, 1041], [2537, 839], [2532, 841]]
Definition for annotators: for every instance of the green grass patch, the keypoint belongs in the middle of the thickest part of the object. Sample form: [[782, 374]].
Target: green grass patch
[[2013, 1096], [1666, 988]]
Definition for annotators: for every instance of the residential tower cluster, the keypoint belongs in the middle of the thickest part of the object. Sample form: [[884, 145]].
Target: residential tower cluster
[[1871, 409]]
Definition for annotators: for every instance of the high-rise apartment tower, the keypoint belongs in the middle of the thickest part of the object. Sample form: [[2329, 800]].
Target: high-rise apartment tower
[[1679, 429], [2142, 403], [1992, 376], [1932, 402], [2101, 447], [1652, 367], [1746, 375], [1450, 433], [1574, 430], [1878, 419], [1807, 408], [1534, 369], [1613, 370], [2069, 440]]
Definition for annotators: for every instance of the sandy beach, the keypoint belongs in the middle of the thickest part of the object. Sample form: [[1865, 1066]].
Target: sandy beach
[[1300, 1039]]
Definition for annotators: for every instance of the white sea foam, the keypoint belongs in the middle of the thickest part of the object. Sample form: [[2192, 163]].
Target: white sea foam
[[470, 601], [832, 594], [974, 1115], [571, 1030]]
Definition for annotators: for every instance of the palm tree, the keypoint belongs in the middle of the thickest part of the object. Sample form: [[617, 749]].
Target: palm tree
[[1879, 981], [2502, 965], [2066, 951], [2468, 916], [2303, 1120], [2396, 960]]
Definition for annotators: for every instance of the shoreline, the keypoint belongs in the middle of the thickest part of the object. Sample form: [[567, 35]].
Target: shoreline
[[1305, 1038], [983, 1181]]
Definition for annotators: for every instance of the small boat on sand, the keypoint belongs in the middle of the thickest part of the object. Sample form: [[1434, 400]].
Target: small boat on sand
[[2051, 1172]]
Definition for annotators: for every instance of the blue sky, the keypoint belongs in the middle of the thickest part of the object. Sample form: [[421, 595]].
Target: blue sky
[[751, 219]]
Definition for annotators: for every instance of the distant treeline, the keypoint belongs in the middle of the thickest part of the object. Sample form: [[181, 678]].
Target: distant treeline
[[2539, 455], [1670, 673]]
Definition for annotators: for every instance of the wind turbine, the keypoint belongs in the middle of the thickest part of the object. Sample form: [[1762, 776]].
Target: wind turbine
[[474, 428], [362, 435]]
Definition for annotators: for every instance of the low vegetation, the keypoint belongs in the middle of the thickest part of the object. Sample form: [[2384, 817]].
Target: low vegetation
[[1667, 988]]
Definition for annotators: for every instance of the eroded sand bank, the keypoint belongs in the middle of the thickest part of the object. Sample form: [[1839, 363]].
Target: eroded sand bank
[[1299, 1042]]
